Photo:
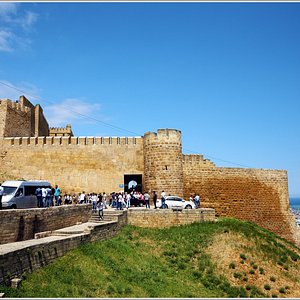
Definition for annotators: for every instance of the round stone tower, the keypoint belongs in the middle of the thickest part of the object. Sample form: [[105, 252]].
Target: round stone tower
[[163, 167]]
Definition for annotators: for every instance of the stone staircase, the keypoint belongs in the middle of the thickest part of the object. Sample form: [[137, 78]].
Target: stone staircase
[[108, 216]]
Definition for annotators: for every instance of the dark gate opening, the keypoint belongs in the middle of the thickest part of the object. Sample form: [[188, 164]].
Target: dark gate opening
[[133, 182]]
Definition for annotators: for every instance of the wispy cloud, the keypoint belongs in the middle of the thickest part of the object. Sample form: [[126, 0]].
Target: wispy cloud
[[71, 111], [14, 91], [16, 24], [6, 38]]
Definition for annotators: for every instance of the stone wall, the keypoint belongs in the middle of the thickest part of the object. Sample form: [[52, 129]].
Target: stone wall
[[74, 163], [43, 251], [161, 218], [163, 162], [22, 119], [41, 125], [256, 195], [15, 119], [23, 224], [61, 131]]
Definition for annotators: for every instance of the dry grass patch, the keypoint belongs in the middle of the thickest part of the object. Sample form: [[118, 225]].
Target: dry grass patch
[[240, 260]]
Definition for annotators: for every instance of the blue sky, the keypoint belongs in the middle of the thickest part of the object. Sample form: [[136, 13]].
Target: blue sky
[[226, 74]]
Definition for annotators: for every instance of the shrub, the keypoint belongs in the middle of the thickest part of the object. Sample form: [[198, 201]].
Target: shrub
[[295, 256], [242, 262], [261, 270], [248, 287], [272, 278], [286, 267], [245, 279], [251, 271], [274, 296], [282, 290], [267, 287], [243, 256], [232, 265], [237, 275], [254, 266]]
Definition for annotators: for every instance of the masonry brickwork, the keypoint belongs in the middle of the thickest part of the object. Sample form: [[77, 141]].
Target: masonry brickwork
[[97, 164], [25, 257], [163, 218], [22, 118], [23, 224]]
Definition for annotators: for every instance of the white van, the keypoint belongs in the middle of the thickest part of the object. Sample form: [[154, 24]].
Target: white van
[[21, 194]]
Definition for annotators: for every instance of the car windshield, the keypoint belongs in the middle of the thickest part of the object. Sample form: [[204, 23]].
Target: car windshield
[[9, 190]]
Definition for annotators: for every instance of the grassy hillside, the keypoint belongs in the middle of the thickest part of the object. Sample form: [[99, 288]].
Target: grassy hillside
[[229, 258]]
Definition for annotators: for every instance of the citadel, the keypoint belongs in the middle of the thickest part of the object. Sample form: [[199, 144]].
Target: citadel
[[30, 149]]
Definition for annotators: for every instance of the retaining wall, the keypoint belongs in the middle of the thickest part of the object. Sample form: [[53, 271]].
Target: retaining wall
[[23, 224], [160, 218], [41, 252]]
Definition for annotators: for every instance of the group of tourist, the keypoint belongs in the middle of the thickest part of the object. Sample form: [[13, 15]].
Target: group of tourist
[[47, 197]]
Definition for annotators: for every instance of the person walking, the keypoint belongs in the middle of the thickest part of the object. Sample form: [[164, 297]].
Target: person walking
[[163, 199], [100, 209], [104, 197], [39, 197], [197, 201], [154, 199], [1, 194], [147, 200], [56, 195]]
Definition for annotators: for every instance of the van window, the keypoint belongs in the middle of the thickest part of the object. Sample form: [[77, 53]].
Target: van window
[[19, 192], [30, 190], [9, 190]]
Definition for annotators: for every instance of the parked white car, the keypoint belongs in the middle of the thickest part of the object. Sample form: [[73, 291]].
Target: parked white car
[[175, 202]]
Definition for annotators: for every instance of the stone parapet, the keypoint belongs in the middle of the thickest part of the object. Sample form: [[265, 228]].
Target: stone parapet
[[161, 218], [67, 140]]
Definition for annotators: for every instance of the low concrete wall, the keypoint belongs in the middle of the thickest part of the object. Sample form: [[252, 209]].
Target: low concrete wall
[[160, 218], [22, 224]]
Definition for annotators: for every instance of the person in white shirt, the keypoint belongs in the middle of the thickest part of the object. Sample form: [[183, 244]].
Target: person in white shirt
[[94, 199], [163, 199], [1, 194], [82, 198], [104, 200], [44, 196], [120, 202]]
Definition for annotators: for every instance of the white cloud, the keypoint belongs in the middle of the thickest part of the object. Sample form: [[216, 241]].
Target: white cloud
[[70, 111], [7, 10], [16, 25], [29, 19], [6, 38], [13, 92]]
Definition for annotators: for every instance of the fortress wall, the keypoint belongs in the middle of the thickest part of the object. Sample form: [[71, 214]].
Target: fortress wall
[[22, 224], [15, 119], [256, 195], [41, 125], [197, 160], [76, 164], [3, 111], [163, 162], [18, 119]]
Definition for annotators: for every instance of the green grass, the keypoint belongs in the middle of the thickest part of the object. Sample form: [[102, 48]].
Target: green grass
[[146, 263]]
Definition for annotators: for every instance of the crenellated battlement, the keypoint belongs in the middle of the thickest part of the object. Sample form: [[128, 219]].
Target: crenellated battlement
[[71, 140], [61, 131], [163, 136], [197, 159], [17, 106]]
